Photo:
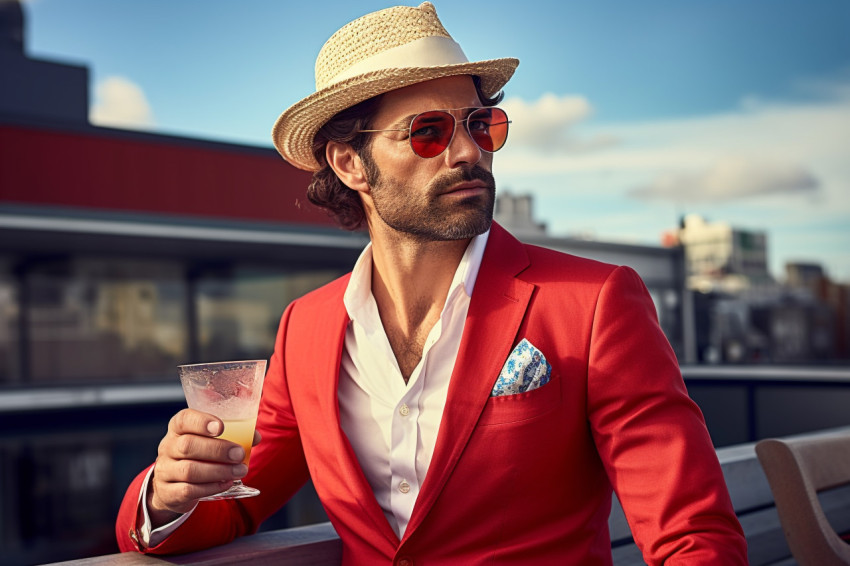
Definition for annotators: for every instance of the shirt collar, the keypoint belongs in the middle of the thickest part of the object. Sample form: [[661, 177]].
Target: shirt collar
[[358, 293]]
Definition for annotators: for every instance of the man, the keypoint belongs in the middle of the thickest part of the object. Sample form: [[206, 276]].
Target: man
[[460, 397]]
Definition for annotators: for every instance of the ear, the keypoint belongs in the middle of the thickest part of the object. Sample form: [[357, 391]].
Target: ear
[[347, 165]]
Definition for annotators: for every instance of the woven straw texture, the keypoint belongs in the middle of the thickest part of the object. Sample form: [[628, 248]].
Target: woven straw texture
[[372, 34], [355, 42]]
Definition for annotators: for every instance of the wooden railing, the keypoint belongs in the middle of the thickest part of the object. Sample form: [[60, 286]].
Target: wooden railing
[[319, 545], [313, 545]]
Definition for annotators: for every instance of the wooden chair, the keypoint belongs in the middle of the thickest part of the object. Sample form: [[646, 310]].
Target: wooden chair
[[797, 469]]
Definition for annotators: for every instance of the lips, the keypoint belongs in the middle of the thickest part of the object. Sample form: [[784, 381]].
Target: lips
[[466, 187]]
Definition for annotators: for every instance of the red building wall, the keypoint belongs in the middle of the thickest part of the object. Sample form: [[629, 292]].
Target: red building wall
[[124, 171]]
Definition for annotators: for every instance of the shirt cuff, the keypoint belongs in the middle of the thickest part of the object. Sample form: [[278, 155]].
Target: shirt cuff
[[150, 538]]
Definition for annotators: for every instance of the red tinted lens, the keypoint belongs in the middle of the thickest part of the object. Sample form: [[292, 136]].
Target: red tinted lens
[[488, 127], [431, 133]]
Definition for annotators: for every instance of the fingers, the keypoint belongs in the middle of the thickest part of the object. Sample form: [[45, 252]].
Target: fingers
[[167, 498], [190, 421], [191, 437], [196, 472], [192, 463], [178, 484], [195, 447], [257, 438]]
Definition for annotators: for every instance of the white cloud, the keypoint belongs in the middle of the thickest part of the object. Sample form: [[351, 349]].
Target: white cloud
[[774, 144], [547, 124], [836, 87], [782, 167], [730, 178], [121, 103]]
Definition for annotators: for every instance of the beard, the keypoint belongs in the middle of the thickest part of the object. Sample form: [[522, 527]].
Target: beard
[[423, 214]]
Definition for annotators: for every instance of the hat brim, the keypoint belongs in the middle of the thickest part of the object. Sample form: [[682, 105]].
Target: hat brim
[[295, 129]]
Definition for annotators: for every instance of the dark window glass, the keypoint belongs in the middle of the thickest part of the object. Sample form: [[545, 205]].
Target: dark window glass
[[10, 363], [105, 319], [238, 309], [78, 319]]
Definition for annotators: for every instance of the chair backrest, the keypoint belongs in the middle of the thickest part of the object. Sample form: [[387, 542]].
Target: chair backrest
[[796, 470]]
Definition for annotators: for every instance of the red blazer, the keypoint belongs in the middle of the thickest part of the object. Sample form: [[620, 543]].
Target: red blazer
[[522, 479]]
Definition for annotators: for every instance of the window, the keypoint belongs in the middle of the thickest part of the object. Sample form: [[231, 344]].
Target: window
[[239, 308], [10, 350], [99, 319], [104, 318]]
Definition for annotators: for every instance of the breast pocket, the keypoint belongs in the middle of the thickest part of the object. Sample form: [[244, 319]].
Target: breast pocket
[[522, 407]]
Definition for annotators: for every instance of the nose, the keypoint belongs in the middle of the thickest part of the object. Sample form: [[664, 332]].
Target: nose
[[462, 148]]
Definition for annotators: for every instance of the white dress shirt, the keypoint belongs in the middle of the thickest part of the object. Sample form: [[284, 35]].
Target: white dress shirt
[[392, 426]]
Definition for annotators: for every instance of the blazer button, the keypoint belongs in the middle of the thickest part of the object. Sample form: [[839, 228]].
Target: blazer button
[[405, 562]]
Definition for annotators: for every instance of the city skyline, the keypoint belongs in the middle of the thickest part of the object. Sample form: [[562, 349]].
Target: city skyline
[[625, 116]]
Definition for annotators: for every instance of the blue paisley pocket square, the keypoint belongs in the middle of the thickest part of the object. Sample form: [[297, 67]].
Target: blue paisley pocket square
[[526, 369]]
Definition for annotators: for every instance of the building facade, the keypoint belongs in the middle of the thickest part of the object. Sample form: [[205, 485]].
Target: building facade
[[721, 257]]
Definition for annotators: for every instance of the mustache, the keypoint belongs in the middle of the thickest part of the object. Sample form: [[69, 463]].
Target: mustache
[[464, 174]]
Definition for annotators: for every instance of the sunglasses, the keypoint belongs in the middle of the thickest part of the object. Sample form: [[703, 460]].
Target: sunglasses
[[430, 133]]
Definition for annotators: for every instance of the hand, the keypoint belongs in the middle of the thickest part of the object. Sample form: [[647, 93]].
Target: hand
[[192, 464]]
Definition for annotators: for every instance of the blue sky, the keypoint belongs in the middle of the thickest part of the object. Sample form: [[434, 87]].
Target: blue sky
[[626, 114]]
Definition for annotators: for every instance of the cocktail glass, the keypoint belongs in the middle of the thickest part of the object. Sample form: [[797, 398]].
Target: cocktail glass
[[231, 391]]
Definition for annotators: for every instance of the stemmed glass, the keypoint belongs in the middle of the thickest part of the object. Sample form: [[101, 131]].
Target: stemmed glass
[[230, 391]]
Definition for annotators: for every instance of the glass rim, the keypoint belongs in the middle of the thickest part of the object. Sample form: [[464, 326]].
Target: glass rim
[[234, 363]]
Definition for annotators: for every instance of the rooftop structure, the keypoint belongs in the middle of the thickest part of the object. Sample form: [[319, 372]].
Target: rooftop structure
[[721, 257]]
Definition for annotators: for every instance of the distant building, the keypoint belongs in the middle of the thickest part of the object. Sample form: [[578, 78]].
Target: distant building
[[743, 315], [811, 280], [33, 88], [805, 275], [721, 257], [514, 212], [123, 254]]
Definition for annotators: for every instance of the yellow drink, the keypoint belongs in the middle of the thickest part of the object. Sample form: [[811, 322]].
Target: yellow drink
[[227, 390], [241, 432]]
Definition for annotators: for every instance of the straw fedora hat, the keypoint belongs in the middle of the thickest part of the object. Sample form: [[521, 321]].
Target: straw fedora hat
[[374, 54]]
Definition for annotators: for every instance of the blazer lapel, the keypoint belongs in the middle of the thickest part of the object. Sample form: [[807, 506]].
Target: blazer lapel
[[498, 305], [327, 339]]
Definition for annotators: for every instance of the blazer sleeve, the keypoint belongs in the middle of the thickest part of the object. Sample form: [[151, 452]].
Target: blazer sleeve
[[277, 468], [652, 438]]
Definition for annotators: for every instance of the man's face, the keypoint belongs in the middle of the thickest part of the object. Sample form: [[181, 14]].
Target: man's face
[[448, 197]]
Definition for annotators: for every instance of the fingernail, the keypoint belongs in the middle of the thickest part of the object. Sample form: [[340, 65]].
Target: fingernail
[[240, 471], [236, 453], [213, 428]]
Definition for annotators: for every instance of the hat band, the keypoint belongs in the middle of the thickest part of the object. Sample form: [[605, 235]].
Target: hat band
[[431, 51]]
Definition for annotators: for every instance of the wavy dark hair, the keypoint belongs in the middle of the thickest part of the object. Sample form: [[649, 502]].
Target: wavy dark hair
[[326, 190]]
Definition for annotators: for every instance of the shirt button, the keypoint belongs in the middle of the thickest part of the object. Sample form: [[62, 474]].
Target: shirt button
[[404, 410], [404, 487]]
